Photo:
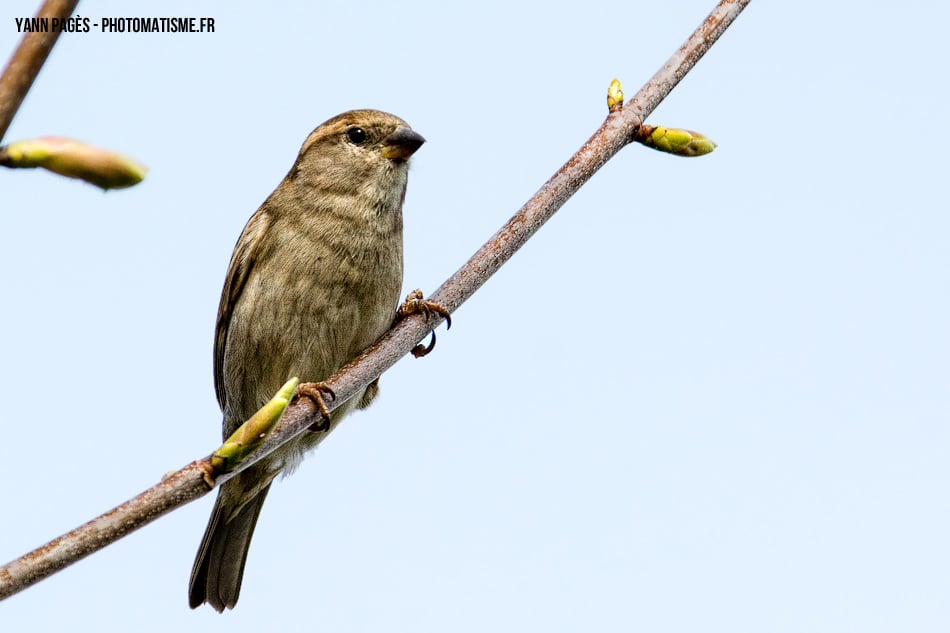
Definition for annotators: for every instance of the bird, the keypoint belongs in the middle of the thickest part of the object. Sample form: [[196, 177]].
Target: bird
[[314, 279]]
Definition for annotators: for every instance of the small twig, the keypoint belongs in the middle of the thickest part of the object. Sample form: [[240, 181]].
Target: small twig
[[27, 60], [176, 490], [192, 481]]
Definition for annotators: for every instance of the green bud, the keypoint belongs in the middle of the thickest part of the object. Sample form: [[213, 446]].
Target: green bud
[[675, 140], [249, 435], [75, 159], [614, 95]]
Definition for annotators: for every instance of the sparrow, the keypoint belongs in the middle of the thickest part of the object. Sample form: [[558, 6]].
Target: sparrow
[[314, 279]]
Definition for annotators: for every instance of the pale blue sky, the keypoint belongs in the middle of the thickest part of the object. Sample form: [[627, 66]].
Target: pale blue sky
[[710, 395]]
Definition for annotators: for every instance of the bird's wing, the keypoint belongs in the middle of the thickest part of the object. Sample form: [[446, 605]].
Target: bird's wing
[[246, 253]]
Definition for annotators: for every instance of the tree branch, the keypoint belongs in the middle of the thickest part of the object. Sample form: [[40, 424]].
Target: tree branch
[[27, 60], [197, 478]]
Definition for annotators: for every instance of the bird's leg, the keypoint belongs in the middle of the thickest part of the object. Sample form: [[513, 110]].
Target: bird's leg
[[416, 304], [315, 391]]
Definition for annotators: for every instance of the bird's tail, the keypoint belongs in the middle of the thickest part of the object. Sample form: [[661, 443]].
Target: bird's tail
[[219, 565]]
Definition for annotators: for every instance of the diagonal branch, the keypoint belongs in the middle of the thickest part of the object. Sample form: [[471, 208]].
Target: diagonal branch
[[196, 479], [27, 60]]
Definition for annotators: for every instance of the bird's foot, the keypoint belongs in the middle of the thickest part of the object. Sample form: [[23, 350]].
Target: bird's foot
[[315, 391], [416, 304]]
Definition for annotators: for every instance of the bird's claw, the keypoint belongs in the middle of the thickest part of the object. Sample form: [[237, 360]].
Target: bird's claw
[[416, 304], [421, 350], [315, 391]]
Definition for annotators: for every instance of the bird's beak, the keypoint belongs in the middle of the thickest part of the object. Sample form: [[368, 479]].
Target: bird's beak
[[402, 143]]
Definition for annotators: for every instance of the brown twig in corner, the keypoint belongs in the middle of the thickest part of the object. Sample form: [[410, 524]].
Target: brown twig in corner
[[27, 60], [193, 480]]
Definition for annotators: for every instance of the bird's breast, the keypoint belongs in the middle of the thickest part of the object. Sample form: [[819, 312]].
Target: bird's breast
[[318, 299]]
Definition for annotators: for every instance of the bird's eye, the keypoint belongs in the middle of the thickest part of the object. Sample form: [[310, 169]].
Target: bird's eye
[[356, 135]]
